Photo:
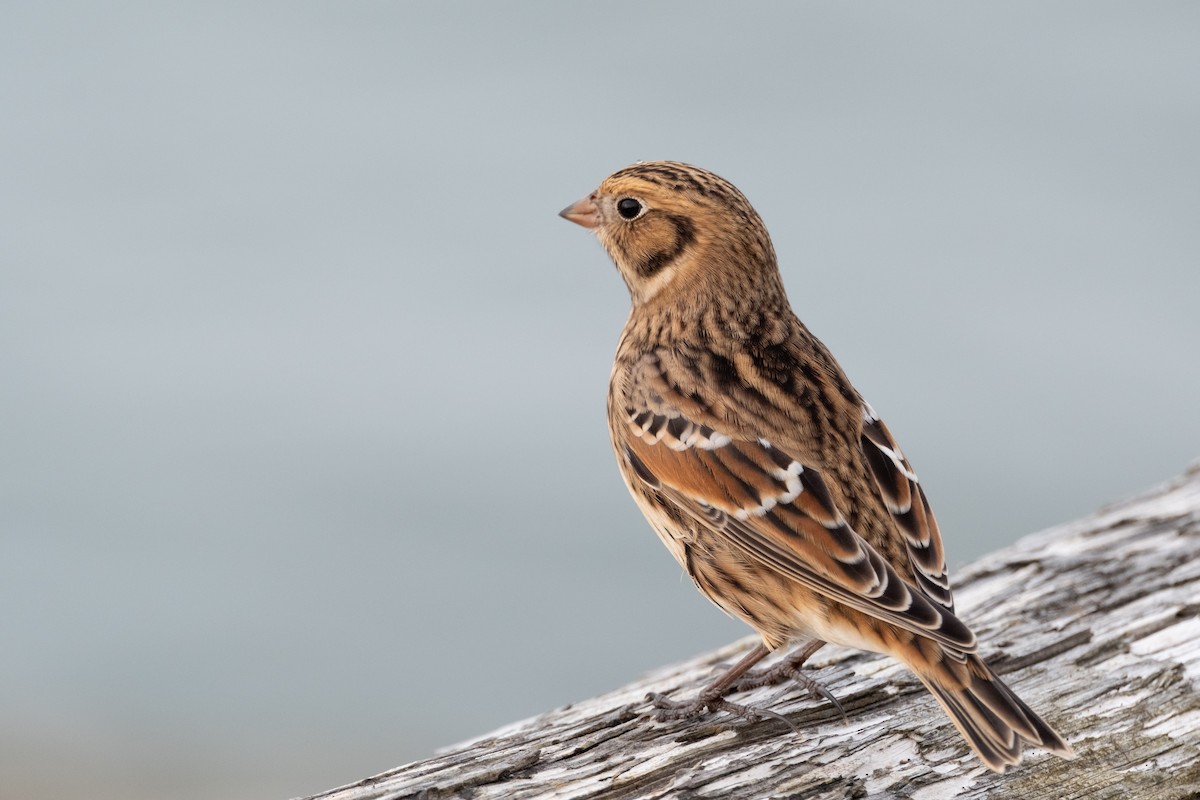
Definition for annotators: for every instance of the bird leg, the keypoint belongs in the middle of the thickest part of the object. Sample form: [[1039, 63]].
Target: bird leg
[[712, 698], [789, 667]]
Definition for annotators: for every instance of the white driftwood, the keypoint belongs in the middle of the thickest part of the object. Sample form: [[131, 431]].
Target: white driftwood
[[1095, 623]]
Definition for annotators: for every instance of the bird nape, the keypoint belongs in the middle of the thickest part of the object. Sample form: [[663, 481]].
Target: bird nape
[[772, 482]]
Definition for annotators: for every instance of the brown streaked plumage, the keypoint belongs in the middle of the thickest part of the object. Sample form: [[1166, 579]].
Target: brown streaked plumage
[[765, 473]]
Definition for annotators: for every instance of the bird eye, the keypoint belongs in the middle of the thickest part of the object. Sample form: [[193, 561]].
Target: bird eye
[[629, 208]]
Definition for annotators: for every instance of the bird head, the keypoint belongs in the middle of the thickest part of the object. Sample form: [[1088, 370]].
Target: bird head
[[676, 232]]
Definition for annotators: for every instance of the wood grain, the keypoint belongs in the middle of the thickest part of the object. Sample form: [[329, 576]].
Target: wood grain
[[1095, 623]]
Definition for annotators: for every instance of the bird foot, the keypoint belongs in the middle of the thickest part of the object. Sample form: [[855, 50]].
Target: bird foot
[[787, 670], [667, 710]]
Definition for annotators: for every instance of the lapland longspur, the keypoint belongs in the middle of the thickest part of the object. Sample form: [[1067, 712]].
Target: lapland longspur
[[772, 482]]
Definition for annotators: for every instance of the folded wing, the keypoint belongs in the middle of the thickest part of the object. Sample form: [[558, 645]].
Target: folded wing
[[780, 512]]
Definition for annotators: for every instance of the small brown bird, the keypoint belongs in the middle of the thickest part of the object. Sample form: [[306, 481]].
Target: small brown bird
[[764, 472]]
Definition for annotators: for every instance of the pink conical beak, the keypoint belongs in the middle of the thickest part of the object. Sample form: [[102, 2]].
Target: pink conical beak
[[585, 212]]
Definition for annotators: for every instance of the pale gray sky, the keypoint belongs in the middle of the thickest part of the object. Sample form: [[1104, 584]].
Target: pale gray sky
[[305, 470]]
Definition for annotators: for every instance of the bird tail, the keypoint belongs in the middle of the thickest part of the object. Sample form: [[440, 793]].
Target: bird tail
[[994, 721]]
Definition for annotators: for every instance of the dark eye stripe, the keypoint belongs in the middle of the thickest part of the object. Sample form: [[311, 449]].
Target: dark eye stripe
[[685, 234]]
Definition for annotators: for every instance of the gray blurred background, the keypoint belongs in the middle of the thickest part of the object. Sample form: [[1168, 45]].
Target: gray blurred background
[[305, 470]]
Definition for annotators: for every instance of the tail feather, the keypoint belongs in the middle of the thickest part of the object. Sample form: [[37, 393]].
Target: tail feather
[[995, 722]]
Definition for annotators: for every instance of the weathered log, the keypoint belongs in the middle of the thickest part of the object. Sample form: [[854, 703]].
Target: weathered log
[[1096, 624]]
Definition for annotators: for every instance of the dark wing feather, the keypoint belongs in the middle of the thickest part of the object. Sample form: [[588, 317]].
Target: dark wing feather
[[778, 512], [906, 501]]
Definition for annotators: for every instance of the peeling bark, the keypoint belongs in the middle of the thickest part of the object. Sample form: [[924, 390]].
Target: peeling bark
[[1095, 623]]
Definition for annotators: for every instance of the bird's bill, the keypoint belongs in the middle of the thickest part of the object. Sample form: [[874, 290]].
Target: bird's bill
[[584, 212]]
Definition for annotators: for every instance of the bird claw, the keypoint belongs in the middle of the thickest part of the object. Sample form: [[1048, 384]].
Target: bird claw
[[667, 710], [785, 671]]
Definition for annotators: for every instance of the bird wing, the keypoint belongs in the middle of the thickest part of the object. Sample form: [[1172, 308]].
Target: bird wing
[[777, 511], [906, 502]]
